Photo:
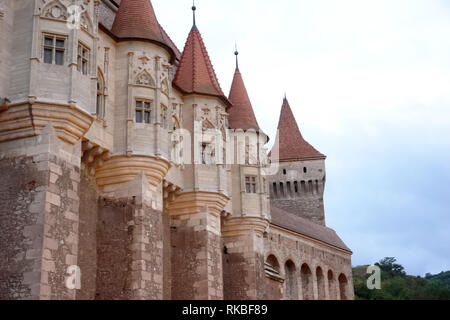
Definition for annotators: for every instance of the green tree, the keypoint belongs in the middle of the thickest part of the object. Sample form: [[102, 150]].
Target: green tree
[[389, 265]]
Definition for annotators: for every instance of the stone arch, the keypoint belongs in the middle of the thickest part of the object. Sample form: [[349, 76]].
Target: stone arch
[[272, 261], [320, 284], [100, 109], [145, 79], [55, 10], [86, 22], [207, 125], [307, 282], [165, 86], [343, 283], [291, 286], [332, 285]]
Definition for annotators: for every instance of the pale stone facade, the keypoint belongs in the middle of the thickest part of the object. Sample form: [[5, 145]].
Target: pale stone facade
[[138, 206]]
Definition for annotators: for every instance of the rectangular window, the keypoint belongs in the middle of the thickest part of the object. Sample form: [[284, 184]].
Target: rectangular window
[[250, 184], [54, 49], [83, 59], [143, 111]]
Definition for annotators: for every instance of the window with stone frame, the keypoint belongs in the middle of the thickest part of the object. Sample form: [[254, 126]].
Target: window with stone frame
[[143, 111], [83, 59], [250, 184], [54, 49]]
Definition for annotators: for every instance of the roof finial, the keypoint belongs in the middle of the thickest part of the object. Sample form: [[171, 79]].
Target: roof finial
[[194, 27], [236, 53]]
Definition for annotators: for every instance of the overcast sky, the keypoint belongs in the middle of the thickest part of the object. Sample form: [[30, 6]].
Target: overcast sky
[[369, 84]]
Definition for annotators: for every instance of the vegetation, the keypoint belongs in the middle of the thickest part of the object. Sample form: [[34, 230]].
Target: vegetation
[[397, 285]]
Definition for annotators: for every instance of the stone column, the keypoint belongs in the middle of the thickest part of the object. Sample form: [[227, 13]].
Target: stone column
[[243, 259], [130, 229], [40, 151], [196, 251]]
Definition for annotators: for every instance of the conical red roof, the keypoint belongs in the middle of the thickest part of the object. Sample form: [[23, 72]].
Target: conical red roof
[[290, 141], [241, 115], [136, 20], [195, 73]]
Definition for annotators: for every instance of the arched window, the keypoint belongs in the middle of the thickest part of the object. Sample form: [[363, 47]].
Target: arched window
[[291, 281], [320, 283], [307, 282], [343, 286], [272, 262], [100, 105]]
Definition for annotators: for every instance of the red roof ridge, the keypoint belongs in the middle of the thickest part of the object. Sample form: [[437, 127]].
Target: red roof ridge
[[195, 73], [241, 114], [297, 224], [136, 20], [290, 143]]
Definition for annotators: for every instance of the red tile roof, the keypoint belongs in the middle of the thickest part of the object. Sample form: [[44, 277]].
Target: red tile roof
[[195, 73], [290, 141], [241, 115], [291, 222], [136, 20]]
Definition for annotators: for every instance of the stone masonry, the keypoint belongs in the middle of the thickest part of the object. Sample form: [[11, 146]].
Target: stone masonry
[[128, 174]]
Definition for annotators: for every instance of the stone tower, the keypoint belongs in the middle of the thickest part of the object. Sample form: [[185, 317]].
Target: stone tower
[[249, 216], [298, 186]]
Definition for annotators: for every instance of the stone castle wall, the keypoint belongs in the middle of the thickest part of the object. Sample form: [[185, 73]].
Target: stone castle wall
[[104, 194]]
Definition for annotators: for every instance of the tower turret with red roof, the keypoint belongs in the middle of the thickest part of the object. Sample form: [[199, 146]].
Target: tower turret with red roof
[[298, 186]]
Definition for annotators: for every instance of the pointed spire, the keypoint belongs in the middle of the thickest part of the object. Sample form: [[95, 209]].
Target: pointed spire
[[291, 144], [136, 20], [195, 72], [236, 53], [241, 114], [194, 8]]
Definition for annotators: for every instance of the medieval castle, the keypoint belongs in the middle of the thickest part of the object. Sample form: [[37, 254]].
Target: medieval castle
[[126, 173]]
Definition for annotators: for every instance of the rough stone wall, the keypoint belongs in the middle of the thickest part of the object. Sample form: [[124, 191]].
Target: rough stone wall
[[22, 193], [273, 289], [243, 269], [129, 249], [167, 263], [196, 259], [40, 220], [87, 249], [287, 246], [60, 246]]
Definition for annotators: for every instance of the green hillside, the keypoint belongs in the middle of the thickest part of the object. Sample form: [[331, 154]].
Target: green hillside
[[397, 285]]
